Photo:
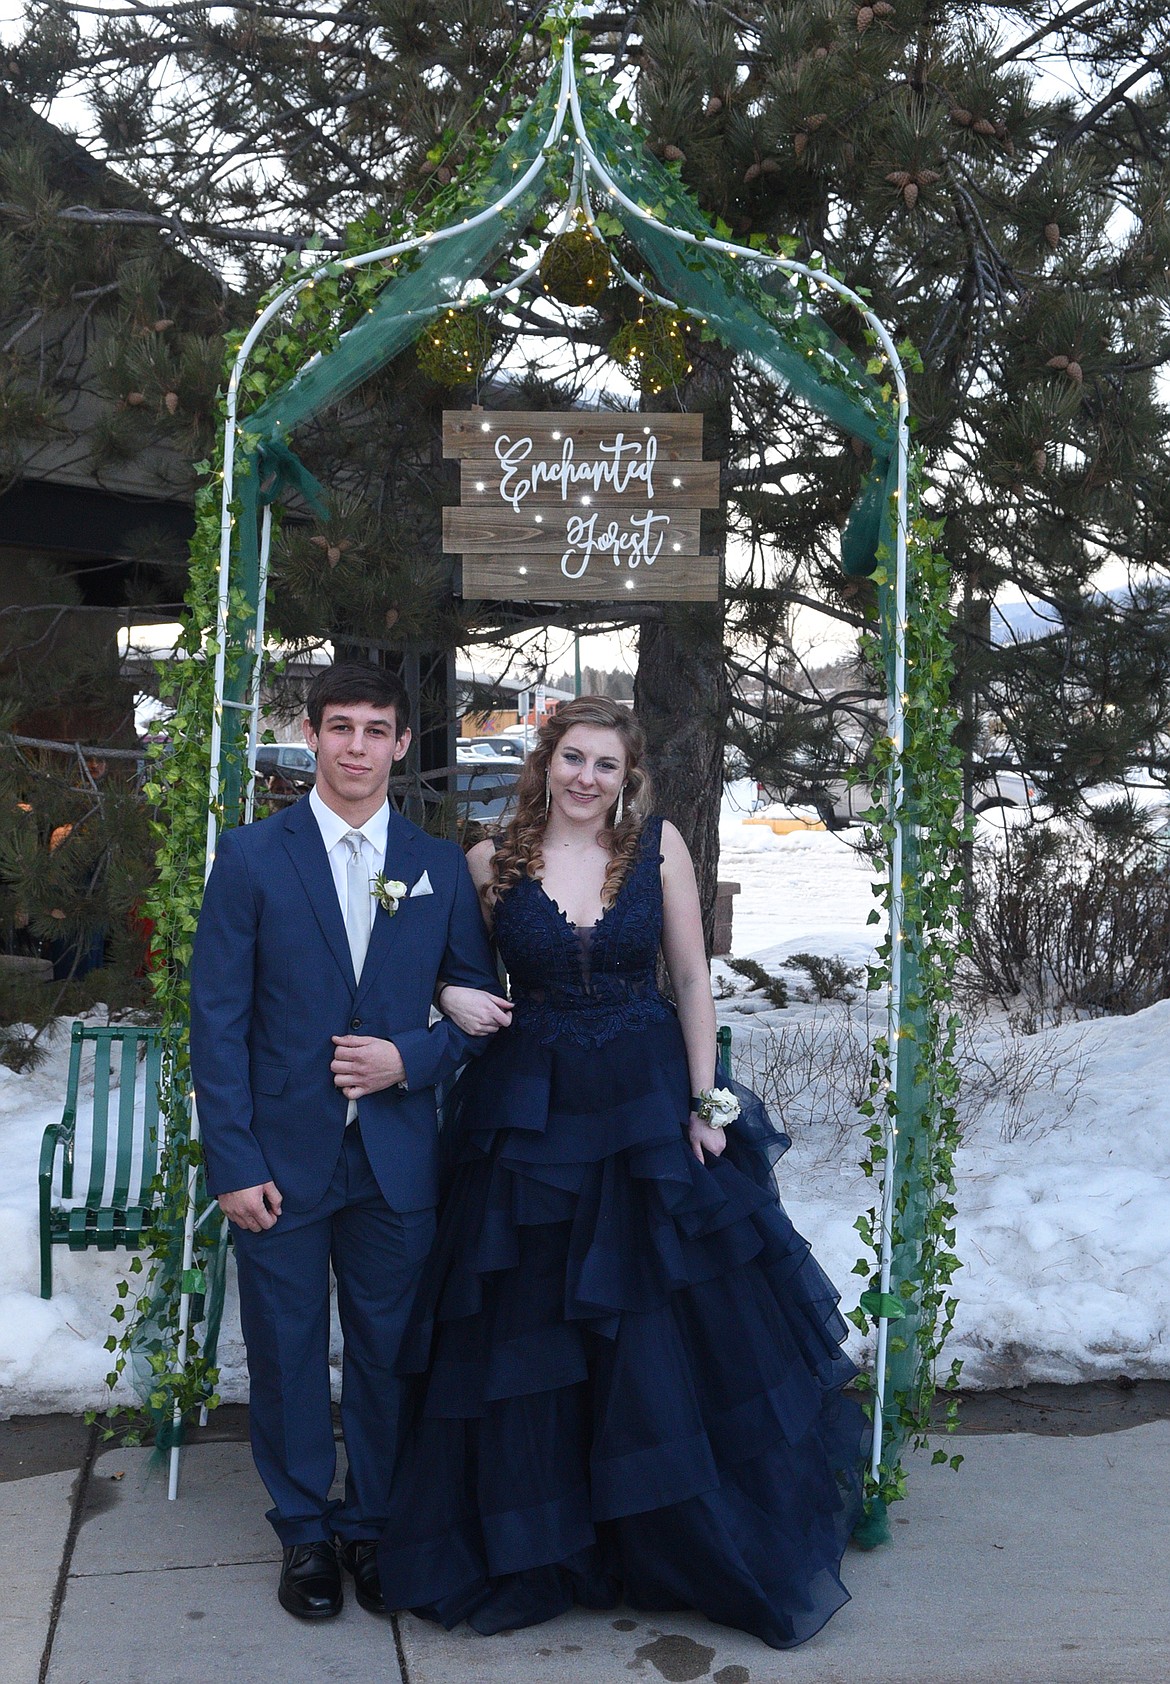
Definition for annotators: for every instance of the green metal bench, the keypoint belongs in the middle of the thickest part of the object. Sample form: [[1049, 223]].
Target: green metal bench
[[122, 1141]]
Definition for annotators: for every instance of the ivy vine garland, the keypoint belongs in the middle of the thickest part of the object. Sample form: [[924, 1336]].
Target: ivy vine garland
[[575, 267], [454, 348], [934, 922]]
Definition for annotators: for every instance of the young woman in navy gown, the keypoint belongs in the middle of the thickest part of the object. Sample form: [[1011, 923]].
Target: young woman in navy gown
[[627, 1375]]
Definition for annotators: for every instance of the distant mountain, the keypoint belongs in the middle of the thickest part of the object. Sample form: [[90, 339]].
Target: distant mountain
[[1020, 622]]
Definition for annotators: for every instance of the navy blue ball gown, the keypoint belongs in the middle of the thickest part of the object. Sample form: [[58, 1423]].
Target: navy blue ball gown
[[626, 1366]]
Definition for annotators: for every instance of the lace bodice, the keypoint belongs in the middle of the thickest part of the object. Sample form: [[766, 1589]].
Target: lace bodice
[[586, 984]]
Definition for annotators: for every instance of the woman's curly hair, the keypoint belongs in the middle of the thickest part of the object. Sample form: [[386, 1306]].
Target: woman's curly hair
[[519, 851]]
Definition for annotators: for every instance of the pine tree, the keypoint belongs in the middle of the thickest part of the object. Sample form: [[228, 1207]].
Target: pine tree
[[992, 176], [1016, 232]]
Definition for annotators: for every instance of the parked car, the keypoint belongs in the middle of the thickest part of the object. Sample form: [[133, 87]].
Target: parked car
[[507, 748], [484, 791], [1003, 789], [840, 803], [294, 764]]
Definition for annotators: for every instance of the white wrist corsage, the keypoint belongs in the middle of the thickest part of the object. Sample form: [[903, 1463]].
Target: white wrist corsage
[[387, 891], [716, 1107]]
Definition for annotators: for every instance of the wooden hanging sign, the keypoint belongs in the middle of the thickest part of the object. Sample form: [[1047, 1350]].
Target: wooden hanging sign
[[587, 506]]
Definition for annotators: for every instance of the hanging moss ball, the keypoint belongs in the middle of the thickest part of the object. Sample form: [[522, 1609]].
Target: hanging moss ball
[[575, 267], [453, 348], [654, 348]]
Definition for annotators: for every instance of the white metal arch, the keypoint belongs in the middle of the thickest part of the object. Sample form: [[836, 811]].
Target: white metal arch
[[568, 106]]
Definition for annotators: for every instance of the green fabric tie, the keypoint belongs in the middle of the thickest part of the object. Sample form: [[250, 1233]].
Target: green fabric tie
[[887, 1304], [873, 1529]]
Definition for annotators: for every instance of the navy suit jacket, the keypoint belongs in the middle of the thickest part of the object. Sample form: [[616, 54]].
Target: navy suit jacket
[[272, 981]]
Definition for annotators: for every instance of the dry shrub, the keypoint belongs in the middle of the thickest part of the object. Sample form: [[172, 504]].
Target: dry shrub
[[1009, 1071], [1071, 920], [812, 1073]]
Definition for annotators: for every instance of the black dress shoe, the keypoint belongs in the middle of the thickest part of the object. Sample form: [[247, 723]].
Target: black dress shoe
[[360, 1557], [310, 1581]]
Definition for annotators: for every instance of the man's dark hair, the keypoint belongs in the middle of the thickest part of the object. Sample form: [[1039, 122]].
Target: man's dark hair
[[357, 681]]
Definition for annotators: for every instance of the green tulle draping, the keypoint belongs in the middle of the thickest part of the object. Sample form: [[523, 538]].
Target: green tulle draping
[[419, 285], [753, 307], [422, 283]]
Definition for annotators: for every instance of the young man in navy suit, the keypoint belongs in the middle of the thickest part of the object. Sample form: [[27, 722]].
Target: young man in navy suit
[[314, 1067]]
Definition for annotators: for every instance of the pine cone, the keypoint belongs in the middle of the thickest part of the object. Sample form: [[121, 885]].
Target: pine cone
[[898, 178], [135, 398], [172, 402], [713, 106], [752, 173], [163, 323], [927, 178], [769, 166], [1052, 234], [960, 115], [391, 617], [813, 123], [800, 143], [1057, 362], [983, 127], [883, 9], [820, 52], [1075, 372], [674, 154], [443, 174], [865, 17], [1040, 459], [910, 194]]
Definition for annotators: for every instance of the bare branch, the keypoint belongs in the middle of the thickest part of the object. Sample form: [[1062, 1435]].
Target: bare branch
[[175, 226], [1019, 48], [76, 750]]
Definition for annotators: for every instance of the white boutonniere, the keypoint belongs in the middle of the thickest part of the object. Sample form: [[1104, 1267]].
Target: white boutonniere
[[387, 891], [716, 1107]]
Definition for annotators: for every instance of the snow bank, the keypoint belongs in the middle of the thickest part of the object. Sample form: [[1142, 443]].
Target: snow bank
[[1064, 1176]]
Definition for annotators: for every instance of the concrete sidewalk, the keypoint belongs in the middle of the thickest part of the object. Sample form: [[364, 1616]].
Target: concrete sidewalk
[[1044, 1560]]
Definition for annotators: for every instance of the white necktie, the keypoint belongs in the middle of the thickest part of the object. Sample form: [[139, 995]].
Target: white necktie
[[358, 900]]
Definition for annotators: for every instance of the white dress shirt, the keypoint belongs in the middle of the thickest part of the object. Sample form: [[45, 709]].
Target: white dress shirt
[[334, 829]]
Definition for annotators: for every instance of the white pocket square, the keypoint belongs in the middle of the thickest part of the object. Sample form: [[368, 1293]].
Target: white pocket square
[[422, 887]]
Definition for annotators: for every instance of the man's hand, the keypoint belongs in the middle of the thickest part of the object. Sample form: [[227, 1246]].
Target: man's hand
[[254, 1208], [363, 1064], [474, 1010]]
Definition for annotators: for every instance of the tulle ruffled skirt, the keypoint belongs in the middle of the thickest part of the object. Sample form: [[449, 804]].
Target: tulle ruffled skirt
[[626, 1366]]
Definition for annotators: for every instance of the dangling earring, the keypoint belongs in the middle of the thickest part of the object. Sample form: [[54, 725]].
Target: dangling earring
[[547, 792], [620, 808]]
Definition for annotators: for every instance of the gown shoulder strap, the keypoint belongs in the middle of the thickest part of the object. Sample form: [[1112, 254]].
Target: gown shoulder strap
[[650, 842]]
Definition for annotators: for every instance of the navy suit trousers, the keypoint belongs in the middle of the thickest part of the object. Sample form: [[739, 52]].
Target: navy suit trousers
[[377, 1256]]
